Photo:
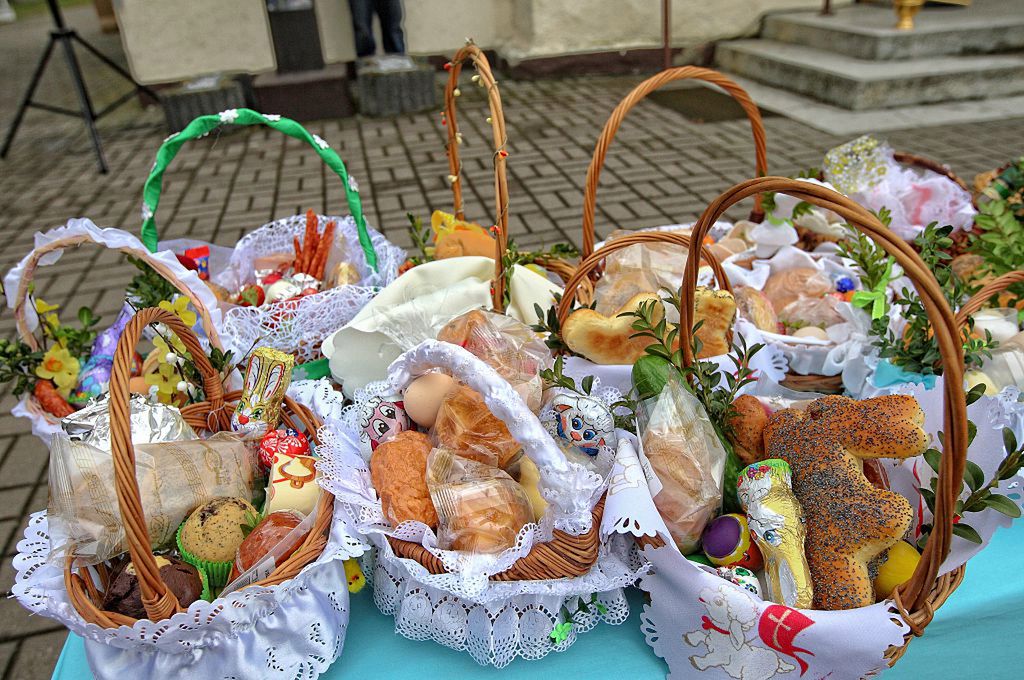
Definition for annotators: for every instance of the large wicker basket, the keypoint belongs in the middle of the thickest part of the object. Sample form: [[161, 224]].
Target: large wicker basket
[[925, 591], [213, 415], [485, 78], [65, 238], [638, 93]]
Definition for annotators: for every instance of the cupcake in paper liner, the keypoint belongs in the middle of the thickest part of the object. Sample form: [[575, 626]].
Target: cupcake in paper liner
[[210, 536]]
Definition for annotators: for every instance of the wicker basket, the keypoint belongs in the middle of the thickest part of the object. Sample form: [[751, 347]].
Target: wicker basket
[[925, 591], [485, 77], [632, 99], [980, 300], [590, 264], [213, 415], [172, 272]]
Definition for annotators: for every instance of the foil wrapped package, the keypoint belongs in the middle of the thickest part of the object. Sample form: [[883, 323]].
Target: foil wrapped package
[[150, 422]]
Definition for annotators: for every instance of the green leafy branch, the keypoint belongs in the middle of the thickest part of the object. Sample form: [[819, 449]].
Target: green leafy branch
[[624, 410], [982, 494], [148, 288], [549, 326], [421, 236], [999, 241]]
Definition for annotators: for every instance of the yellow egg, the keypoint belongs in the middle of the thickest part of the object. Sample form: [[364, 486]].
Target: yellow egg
[[424, 395], [976, 377], [903, 559]]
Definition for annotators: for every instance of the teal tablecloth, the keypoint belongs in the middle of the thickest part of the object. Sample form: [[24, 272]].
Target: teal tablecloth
[[972, 637]]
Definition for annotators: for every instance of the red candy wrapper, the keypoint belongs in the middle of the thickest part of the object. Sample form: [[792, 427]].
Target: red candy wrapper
[[201, 256], [282, 442]]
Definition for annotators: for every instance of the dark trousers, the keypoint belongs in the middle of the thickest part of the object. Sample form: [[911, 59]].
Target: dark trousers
[[389, 12]]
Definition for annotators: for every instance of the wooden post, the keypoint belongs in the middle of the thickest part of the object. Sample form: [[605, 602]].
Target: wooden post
[[826, 8]]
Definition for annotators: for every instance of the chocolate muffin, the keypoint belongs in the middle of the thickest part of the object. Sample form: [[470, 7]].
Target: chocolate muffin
[[124, 597]]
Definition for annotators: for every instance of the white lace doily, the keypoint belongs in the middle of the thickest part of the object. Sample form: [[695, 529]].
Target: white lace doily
[[307, 321], [292, 630], [515, 619]]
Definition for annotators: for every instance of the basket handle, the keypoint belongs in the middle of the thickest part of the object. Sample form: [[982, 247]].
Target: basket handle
[[632, 99], [987, 292], [592, 261], [470, 52], [143, 254], [916, 591], [157, 598], [203, 125]]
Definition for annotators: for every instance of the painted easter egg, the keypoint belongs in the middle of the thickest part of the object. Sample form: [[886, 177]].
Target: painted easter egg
[[584, 423], [726, 542]]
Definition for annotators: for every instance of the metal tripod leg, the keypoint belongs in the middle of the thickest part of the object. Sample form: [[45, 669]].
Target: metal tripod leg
[[36, 77], [88, 114]]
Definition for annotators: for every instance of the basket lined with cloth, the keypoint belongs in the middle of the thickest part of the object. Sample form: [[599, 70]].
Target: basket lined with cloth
[[296, 279], [49, 246], [292, 620], [477, 269], [776, 635], [472, 547]]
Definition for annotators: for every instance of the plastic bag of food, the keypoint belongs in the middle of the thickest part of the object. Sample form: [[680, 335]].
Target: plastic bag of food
[[174, 477], [686, 462], [821, 312], [480, 509], [465, 425], [506, 345]]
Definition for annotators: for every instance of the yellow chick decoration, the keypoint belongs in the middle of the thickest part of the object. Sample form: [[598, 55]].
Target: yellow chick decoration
[[354, 575]]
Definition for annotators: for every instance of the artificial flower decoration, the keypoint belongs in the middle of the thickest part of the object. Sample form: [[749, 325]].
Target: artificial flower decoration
[[166, 380], [180, 307], [59, 366], [163, 349], [46, 313]]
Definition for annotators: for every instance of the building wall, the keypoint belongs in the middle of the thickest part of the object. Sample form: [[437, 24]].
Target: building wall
[[169, 41], [179, 39]]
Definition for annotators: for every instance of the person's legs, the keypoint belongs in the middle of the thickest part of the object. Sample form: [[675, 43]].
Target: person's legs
[[362, 26], [390, 14]]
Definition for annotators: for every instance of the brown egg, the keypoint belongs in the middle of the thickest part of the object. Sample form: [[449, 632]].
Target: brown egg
[[424, 395], [138, 385]]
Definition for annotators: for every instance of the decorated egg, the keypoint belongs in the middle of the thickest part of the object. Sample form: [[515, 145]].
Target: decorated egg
[[585, 423], [727, 543], [897, 568], [382, 418], [277, 444], [742, 577], [424, 395]]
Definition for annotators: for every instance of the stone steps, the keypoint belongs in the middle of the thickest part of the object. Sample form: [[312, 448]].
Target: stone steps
[[859, 84], [866, 32]]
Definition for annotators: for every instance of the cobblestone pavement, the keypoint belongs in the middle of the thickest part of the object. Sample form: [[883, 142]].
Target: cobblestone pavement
[[661, 169]]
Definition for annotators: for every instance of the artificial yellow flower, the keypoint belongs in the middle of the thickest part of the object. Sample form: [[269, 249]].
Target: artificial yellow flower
[[180, 307], [59, 366], [166, 380], [45, 311], [444, 223], [176, 346]]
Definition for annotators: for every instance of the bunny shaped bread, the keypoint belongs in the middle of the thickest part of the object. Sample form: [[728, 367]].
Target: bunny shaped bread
[[849, 521]]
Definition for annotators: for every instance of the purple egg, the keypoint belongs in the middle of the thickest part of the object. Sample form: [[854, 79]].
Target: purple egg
[[721, 536]]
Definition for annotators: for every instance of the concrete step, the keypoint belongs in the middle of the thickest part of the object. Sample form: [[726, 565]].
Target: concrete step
[[857, 84], [866, 32]]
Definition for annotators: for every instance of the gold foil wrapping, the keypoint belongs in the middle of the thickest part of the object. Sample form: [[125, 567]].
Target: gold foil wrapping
[[266, 379], [776, 521]]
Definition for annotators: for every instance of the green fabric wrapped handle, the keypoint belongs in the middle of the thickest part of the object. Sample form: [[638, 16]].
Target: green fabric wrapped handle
[[203, 125]]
